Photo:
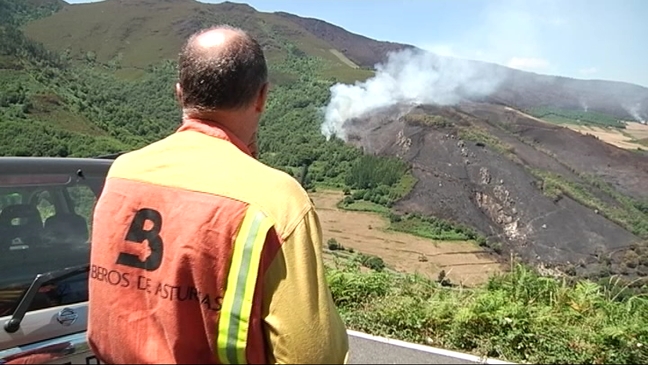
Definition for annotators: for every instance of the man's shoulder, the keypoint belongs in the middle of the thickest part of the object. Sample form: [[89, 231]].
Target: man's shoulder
[[218, 169], [137, 157], [278, 194], [278, 181]]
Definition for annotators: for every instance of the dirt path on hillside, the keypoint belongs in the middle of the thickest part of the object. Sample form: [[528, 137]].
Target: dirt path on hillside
[[527, 115], [343, 58], [365, 232]]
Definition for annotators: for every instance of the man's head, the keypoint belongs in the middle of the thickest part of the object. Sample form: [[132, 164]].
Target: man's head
[[223, 75]]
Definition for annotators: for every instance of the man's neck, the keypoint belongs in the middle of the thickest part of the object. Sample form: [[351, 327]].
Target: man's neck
[[217, 131], [231, 122]]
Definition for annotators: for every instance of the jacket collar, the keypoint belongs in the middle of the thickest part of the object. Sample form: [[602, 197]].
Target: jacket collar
[[213, 130]]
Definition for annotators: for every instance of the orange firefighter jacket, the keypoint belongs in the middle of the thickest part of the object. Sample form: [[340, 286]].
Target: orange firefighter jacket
[[201, 254]]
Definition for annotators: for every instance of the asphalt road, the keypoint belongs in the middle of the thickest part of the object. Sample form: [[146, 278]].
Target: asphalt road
[[366, 349]]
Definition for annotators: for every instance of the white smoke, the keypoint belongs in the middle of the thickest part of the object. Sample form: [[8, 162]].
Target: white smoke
[[634, 111], [408, 77], [584, 105]]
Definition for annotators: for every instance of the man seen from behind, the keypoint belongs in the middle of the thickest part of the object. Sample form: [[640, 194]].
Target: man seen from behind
[[200, 253]]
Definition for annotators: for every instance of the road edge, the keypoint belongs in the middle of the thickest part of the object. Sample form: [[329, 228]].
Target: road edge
[[428, 349]]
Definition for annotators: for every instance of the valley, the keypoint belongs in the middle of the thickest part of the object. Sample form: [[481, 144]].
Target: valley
[[464, 262]]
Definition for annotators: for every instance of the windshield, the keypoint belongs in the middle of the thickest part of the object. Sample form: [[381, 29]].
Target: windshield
[[45, 225]]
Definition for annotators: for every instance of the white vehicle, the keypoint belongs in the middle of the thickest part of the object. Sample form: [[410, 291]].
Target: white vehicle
[[45, 222]]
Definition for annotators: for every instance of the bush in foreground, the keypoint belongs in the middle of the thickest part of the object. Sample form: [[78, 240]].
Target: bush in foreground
[[518, 316]]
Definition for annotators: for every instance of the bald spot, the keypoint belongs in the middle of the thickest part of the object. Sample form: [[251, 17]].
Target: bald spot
[[221, 68], [215, 41]]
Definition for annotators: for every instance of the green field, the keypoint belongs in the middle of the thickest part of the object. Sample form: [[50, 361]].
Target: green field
[[561, 116]]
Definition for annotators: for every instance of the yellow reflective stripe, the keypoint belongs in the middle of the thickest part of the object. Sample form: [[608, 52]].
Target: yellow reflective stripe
[[241, 282]]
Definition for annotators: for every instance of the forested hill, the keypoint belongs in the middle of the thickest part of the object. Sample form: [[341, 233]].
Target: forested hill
[[55, 104]]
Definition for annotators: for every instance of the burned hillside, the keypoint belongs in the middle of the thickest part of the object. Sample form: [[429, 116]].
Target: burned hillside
[[549, 194]]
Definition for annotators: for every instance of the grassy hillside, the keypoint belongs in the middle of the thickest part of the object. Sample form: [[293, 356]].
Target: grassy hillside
[[132, 35], [55, 104]]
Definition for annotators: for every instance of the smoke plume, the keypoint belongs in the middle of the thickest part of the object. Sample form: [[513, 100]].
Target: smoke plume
[[409, 77], [634, 111]]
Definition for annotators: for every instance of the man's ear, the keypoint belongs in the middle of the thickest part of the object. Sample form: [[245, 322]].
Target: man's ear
[[262, 98], [178, 91]]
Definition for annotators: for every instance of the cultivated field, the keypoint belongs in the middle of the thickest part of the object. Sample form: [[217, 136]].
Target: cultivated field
[[637, 130], [463, 262], [626, 138], [617, 137]]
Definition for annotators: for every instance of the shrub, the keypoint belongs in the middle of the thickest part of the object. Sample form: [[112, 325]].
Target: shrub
[[334, 245]]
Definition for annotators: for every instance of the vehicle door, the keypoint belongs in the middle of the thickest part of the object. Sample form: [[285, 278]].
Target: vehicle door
[[45, 226]]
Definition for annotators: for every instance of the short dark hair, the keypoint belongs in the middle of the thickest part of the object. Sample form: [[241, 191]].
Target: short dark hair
[[228, 80]]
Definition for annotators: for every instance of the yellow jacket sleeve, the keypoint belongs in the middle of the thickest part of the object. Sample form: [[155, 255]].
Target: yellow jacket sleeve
[[302, 323]]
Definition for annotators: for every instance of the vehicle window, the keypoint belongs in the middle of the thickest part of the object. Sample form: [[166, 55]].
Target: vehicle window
[[83, 200], [44, 226], [44, 204], [10, 198]]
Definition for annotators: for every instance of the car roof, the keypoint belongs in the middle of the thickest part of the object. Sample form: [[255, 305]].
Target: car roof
[[45, 165]]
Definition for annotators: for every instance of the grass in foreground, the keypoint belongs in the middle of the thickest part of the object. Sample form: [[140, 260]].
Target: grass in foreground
[[517, 316]]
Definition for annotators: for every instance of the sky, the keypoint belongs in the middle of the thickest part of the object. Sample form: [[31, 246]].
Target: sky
[[585, 39]]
